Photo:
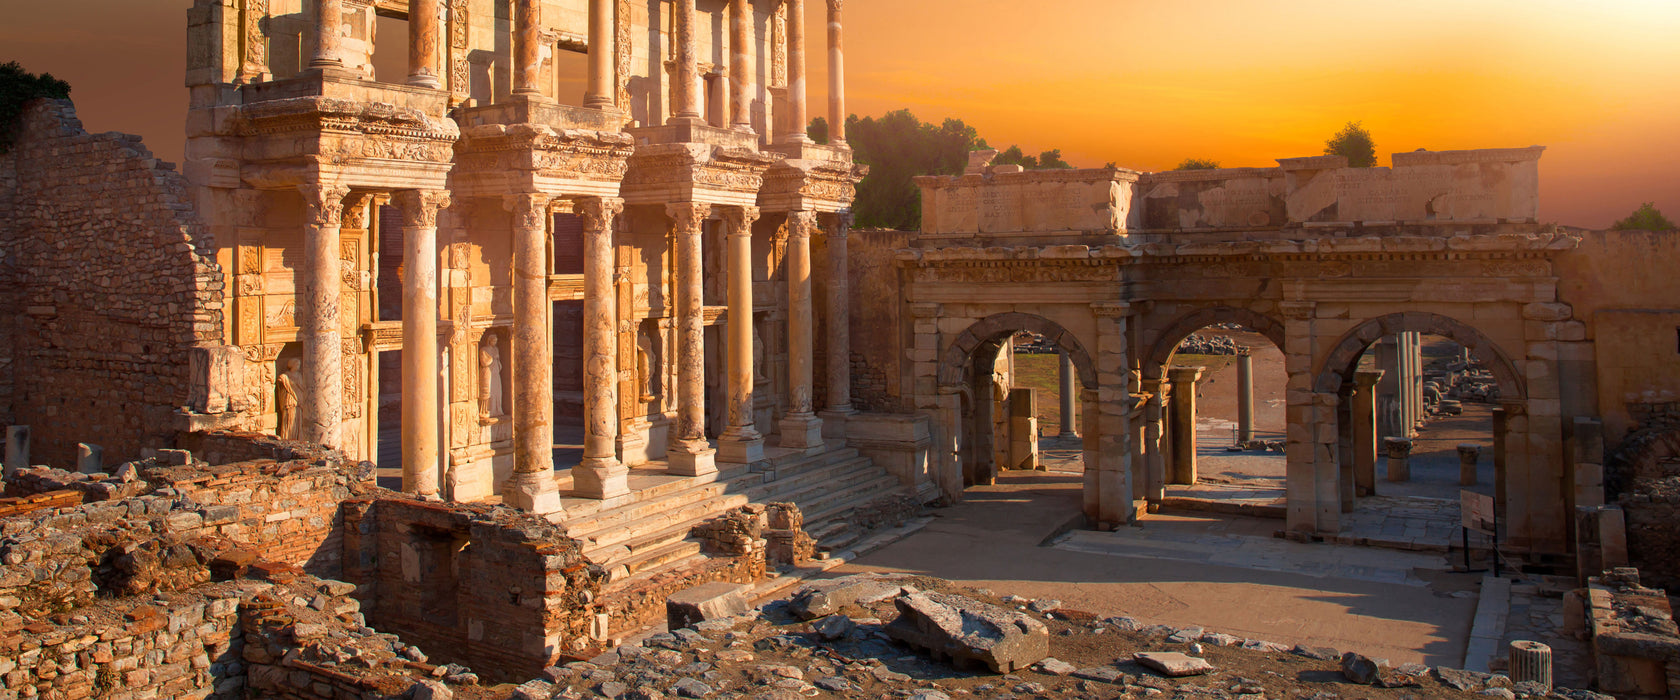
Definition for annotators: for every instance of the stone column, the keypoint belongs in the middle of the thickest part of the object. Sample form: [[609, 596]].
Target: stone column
[[1184, 422], [1115, 505], [602, 91], [90, 459], [1245, 398], [801, 428], [838, 331], [421, 448], [741, 442], [1066, 385], [531, 487], [1388, 390], [797, 115], [318, 280], [740, 65], [601, 474], [527, 48], [690, 454], [1364, 416], [685, 103], [1467, 456], [1155, 465], [1398, 450], [17, 448], [836, 77], [329, 27], [423, 43]]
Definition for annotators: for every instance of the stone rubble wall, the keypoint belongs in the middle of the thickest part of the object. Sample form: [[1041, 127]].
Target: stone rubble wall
[[112, 280]]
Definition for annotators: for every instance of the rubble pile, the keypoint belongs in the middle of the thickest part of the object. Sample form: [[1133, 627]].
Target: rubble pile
[[1198, 344]]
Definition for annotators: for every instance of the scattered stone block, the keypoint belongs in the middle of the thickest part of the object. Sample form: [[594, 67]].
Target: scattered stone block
[[1359, 669], [828, 597], [90, 459], [1173, 664], [965, 629], [1055, 667], [711, 601], [834, 627]]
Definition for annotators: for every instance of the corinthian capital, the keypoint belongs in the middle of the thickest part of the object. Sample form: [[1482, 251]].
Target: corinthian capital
[[800, 223], [598, 213], [324, 204], [530, 209], [740, 220], [420, 207], [688, 215]]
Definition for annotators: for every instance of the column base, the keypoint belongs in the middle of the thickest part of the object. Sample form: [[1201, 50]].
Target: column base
[[532, 492], [834, 422], [1067, 435], [696, 459], [802, 432], [740, 450], [600, 478]]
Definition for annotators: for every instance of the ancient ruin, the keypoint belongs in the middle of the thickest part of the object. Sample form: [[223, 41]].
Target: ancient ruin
[[406, 388]]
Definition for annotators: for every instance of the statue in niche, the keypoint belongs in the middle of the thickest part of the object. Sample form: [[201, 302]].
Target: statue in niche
[[760, 371], [647, 378], [286, 393], [490, 378]]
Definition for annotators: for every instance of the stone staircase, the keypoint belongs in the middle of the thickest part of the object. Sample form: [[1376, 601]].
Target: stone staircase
[[646, 532]]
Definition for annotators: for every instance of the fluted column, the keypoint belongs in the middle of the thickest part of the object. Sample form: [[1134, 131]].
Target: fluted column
[[686, 105], [329, 21], [421, 449], [839, 333], [741, 442], [423, 43], [603, 51], [531, 487], [690, 454], [601, 474], [740, 65], [527, 42], [322, 405], [798, 118], [1065, 383], [801, 428], [836, 77]]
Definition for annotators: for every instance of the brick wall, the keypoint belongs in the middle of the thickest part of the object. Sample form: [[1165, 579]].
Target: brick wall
[[110, 281]]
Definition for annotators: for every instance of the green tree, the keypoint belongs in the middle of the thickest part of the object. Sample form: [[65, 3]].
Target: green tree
[[17, 88], [1048, 160], [898, 147], [1645, 218], [818, 130], [1197, 164], [1354, 142]]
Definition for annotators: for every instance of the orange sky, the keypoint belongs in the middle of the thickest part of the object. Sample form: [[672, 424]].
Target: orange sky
[[1144, 85]]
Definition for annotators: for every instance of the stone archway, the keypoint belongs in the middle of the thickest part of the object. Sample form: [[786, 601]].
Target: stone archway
[[960, 353], [1189, 323]]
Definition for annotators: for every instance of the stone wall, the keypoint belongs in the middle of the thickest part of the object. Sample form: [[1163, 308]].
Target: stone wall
[[877, 295], [111, 281]]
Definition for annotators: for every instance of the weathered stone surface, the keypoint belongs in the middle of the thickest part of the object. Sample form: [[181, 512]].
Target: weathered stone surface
[[828, 597], [1172, 664], [709, 601], [1359, 669], [969, 630]]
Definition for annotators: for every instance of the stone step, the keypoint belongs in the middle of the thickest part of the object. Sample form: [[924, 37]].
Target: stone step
[[816, 501], [637, 578], [608, 554], [834, 477], [836, 505], [839, 541], [582, 508], [793, 466], [680, 518], [641, 510], [653, 560]]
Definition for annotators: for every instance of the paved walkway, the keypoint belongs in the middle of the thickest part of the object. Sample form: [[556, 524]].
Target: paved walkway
[[1226, 574]]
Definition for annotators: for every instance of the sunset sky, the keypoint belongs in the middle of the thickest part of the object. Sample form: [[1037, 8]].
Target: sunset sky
[[1144, 85]]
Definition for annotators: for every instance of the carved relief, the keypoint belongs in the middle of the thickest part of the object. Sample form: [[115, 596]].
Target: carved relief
[[285, 316], [256, 43], [250, 319], [1516, 268], [351, 368], [621, 28], [355, 213], [420, 207], [778, 47], [459, 68]]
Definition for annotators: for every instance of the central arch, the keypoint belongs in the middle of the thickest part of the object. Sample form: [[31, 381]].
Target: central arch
[[958, 356], [1170, 338]]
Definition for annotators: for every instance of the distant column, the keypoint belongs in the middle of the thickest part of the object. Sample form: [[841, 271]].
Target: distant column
[[423, 43], [1245, 398], [603, 51], [690, 454], [1399, 451], [527, 47], [329, 21], [1184, 422], [686, 105], [741, 442], [601, 474], [836, 77], [322, 404], [1364, 411], [798, 120], [1155, 462], [740, 65], [1065, 384], [421, 447], [838, 307], [801, 428], [1468, 454]]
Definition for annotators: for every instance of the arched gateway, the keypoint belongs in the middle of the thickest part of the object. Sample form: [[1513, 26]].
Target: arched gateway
[[1118, 267]]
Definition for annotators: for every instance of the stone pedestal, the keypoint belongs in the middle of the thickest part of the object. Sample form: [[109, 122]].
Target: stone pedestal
[[801, 428], [1245, 398], [1364, 415], [90, 459], [318, 282], [1184, 422], [690, 454], [1468, 454], [421, 448], [532, 492], [1399, 451], [1531, 662], [1065, 382], [600, 474], [17, 448]]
